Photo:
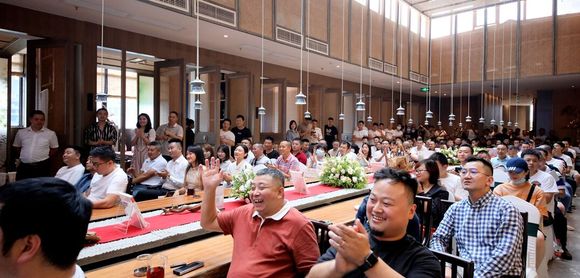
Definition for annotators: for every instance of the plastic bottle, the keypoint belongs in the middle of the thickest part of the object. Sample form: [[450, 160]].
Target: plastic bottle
[[219, 197]]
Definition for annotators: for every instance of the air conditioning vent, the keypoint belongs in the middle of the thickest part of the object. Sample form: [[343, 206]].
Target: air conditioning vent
[[418, 77], [289, 37], [317, 46], [180, 5], [390, 69], [216, 13], [375, 64]]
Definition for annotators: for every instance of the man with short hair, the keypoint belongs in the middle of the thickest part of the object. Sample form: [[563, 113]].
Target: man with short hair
[[170, 130], [358, 134], [297, 151], [488, 229], [43, 224], [226, 136], [463, 152], [501, 158], [108, 181], [172, 176], [286, 162], [560, 164], [74, 169], [189, 133], [316, 133], [334, 152], [271, 238], [306, 147], [419, 151], [451, 182], [34, 147], [84, 182], [345, 151], [102, 133], [260, 160], [269, 150], [382, 248], [512, 152], [330, 131], [240, 130], [148, 177]]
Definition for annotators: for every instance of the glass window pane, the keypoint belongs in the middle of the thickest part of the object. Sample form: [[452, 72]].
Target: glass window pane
[[375, 6], [538, 9], [146, 104], [440, 27], [414, 21], [15, 113], [568, 6], [465, 22], [404, 14], [508, 12], [479, 18], [491, 18]]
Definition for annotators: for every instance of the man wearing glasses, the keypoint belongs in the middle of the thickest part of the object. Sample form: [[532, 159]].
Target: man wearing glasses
[[108, 180], [488, 229]]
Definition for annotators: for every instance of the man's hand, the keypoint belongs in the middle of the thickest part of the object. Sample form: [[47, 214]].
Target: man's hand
[[211, 175], [351, 242]]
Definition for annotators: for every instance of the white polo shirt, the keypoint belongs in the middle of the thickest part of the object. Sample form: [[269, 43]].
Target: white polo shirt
[[158, 164], [101, 186], [35, 145], [176, 169], [71, 174]]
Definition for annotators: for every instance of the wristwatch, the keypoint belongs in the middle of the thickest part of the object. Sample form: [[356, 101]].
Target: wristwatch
[[370, 261]]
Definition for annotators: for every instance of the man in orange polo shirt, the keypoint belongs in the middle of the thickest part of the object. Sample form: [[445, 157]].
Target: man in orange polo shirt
[[271, 238]]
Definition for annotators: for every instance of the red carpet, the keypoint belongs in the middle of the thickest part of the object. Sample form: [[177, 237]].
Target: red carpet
[[160, 222]]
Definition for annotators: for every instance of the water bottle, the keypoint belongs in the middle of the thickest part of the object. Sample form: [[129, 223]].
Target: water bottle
[[219, 197]]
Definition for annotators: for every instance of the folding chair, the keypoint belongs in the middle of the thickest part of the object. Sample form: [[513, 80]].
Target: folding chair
[[499, 176]]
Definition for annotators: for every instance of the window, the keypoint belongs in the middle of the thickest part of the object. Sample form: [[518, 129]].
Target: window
[[375, 6], [568, 7], [508, 12], [415, 21], [403, 14], [362, 2], [479, 18], [465, 22], [424, 26], [109, 95], [18, 92], [391, 9], [491, 17], [440, 27], [537, 9]]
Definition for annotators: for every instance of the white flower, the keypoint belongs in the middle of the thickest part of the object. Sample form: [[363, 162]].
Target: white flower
[[354, 179]]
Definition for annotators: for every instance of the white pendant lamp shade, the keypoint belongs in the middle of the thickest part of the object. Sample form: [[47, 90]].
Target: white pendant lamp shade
[[451, 117], [516, 124], [482, 120], [400, 111], [492, 122], [307, 115], [426, 122], [460, 124], [509, 124], [439, 123], [392, 120], [196, 87], [300, 99], [410, 121], [341, 117], [468, 119], [197, 105], [429, 115], [360, 106], [450, 124], [369, 119], [262, 111], [501, 122]]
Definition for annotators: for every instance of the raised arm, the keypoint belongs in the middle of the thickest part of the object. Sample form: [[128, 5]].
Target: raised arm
[[210, 178]]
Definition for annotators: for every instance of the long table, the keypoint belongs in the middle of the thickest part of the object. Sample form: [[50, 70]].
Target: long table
[[216, 252], [156, 204], [124, 247]]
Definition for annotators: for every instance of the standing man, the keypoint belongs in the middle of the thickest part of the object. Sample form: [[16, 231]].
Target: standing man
[[189, 133], [272, 239], [269, 150], [358, 134], [168, 131], [330, 131], [102, 133], [240, 130], [34, 147], [488, 229], [316, 133]]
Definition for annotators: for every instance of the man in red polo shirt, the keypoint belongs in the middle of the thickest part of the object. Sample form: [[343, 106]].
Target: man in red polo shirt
[[271, 238]]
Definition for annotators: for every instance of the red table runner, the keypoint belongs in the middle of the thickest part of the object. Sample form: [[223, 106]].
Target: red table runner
[[114, 232]]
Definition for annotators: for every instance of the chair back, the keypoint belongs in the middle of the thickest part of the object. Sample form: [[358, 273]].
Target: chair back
[[321, 231], [531, 230], [424, 207], [499, 176], [455, 263]]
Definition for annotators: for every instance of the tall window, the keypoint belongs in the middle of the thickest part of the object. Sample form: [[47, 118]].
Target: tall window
[[391, 10], [537, 9], [440, 27], [568, 7], [375, 6], [403, 14], [415, 21], [18, 92], [465, 22], [508, 12], [109, 94]]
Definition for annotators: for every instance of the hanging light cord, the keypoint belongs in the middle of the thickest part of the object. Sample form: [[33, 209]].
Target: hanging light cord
[[342, 61], [302, 39], [308, 58], [460, 79], [502, 68], [440, 80], [370, 55], [262, 74], [361, 53], [493, 82], [510, 82], [469, 76]]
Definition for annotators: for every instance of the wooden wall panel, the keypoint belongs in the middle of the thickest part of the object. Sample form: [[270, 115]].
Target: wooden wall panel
[[330, 108], [239, 98], [315, 102], [337, 40], [403, 55], [376, 30], [355, 35], [567, 44], [250, 17], [390, 42], [536, 47], [469, 60], [424, 48], [414, 46], [288, 14], [318, 19], [230, 4], [504, 60]]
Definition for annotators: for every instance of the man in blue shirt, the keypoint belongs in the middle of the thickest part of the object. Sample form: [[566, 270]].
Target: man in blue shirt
[[488, 229], [501, 158]]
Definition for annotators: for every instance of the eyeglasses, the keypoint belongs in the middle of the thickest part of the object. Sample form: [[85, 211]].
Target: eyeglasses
[[420, 170], [472, 171], [97, 164]]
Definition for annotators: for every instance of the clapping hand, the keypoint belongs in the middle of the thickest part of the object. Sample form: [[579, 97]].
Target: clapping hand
[[351, 243]]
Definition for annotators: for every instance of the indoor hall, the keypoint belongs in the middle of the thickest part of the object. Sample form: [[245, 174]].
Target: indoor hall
[[439, 70]]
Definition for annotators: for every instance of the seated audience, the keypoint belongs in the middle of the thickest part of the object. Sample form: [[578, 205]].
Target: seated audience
[[428, 177], [298, 152], [286, 161], [148, 177], [85, 181], [223, 155], [74, 169], [260, 159], [345, 151], [192, 179], [334, 152], [317, 159], [271, 238], [239, 164], [43, 224], [488, 230], [109, 179], [208, 151], [451, 182], [364, 156], [383, 248], [269, 150]]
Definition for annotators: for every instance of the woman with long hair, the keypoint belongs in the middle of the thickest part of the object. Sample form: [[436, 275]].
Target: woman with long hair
[[223, 154], [239, 164], [195, 158], [427, 173], [208, 151], [364, 155], [292, 132], [144, 133]]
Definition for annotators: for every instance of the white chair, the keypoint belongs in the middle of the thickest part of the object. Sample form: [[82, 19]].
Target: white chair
[[533, 227], [500, 176]]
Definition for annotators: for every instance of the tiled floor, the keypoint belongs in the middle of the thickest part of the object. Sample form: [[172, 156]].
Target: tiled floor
[[562, 268]]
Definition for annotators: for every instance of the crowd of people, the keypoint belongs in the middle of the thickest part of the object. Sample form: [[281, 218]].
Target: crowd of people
[[413, 162]]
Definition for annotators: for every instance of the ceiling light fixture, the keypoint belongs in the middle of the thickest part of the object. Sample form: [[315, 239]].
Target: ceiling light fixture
[[300, 97], [196, 85], [360, 105], [261, 109]]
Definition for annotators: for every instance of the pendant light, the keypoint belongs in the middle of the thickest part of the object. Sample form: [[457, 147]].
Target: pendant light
[[401, 109], [410, 121], [360, 105], [440, 81], [104, 75], [196, 85], [460, 79], [307, 114], [341, 115], [392, 119], [451, 115], [300, 97], [501, 122], [468, 117], [370, 117], [429, 114], [492, 122], [481, 118], [510, 84], [262, 109]]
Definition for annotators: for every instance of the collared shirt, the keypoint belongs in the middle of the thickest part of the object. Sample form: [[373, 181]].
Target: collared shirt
[[496, 161], [276, 216], [158, 164], [488, 232], [177, 129], [35, 145], [260, 161], [94, 133], [176, 169], [71, 174], [285, 165]]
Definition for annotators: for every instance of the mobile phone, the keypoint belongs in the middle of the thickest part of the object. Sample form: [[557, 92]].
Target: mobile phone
[[188, 268]]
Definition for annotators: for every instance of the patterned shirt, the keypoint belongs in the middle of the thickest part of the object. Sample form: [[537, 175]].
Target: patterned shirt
[[94, 133], [489, 232], [285, 165]]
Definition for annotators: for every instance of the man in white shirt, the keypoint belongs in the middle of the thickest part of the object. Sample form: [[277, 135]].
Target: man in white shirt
[[166, 132], [420, 152], [381, 154], [34, 147], [148, 178], [345, 151], [359, 133], [558, 163], [260, 159], [74, 169], [546, 182], [173, 175], [557, 153], [451, 182], [108, 181], [316, 132], [227, 137], [334, 152]]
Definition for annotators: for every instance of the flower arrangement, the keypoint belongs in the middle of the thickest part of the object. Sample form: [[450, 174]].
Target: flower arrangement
[[242, 184], [342, 172], [451, 154]]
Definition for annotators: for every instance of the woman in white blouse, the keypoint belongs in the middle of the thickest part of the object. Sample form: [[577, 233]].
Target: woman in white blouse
[[240, 164], [223, 154]]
